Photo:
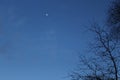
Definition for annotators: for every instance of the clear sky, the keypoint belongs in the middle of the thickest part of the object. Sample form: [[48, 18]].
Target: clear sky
[[41, 39]]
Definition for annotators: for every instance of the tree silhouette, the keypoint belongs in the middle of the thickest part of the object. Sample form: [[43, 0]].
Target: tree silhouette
[[114, 18], [104, 62]]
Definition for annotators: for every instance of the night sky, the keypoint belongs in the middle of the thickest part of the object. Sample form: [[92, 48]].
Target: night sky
[[41, 39]]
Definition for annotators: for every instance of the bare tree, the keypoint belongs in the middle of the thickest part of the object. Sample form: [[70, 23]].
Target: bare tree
[[104, 62]]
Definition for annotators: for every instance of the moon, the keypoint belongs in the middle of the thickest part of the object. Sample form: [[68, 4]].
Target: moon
[[46, 14]]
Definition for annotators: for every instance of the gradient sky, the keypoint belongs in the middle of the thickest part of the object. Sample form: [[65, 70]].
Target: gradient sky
[[41, 39]]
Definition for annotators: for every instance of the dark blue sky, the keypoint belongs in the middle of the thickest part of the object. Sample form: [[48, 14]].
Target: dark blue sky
[[41, 39]]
